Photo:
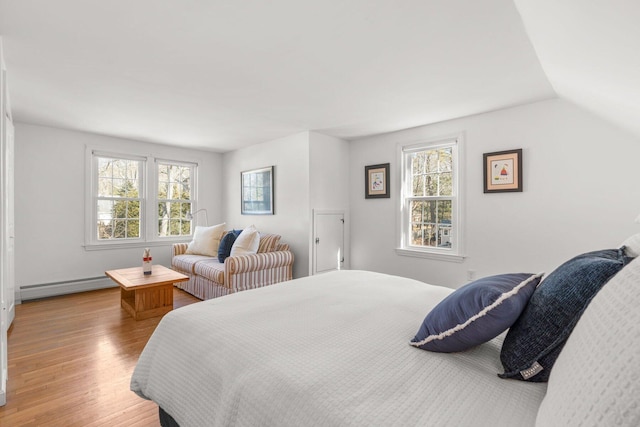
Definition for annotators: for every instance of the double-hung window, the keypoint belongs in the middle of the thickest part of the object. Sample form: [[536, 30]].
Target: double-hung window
[[174, 198], [119, 198], [129, 203], [430, 212]]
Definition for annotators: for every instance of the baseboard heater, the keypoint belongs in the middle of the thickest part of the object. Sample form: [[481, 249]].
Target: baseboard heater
[[45, 290]]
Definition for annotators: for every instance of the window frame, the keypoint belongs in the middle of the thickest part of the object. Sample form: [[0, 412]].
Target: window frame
[[456, 252], [148, 194], [194, 185]]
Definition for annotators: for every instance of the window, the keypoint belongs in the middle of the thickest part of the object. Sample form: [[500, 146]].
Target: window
[[174, 199], [122, 195], [118, 201], [430, 210]]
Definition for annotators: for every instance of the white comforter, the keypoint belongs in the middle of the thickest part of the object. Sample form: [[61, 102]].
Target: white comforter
[[327, 350]]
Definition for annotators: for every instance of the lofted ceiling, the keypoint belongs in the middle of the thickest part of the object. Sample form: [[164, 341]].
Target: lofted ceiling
[[220, 75], [590, 51]]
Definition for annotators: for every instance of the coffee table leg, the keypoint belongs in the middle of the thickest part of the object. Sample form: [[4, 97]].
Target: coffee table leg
[[127, 301], [147, 302]]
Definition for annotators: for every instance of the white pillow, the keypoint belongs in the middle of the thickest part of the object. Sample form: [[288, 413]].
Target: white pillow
[[247, 242], [206, 240], [596, 378], [632, 245]]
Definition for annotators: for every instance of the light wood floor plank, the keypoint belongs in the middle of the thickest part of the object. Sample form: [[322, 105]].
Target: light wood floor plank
[[71, 359]]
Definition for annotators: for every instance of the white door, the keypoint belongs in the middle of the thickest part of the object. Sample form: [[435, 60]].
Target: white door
[[328, 241], [10, 281]]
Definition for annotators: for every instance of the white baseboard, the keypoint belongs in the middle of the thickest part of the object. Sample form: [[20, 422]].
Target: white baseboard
[[46, 290]]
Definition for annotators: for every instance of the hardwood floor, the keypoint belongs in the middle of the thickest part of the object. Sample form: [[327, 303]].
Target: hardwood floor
[[71, 359]]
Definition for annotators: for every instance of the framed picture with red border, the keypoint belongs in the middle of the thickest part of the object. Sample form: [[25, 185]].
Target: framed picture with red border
[[503, 171]]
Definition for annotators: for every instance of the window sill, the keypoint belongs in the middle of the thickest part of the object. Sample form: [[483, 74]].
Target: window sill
[[129, 245], [439, 256]]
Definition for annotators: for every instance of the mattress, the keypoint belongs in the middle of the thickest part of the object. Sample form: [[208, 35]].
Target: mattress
[[325, 350]]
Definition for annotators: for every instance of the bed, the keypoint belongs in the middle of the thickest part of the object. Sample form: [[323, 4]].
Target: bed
[[325, 350], [333, 350]]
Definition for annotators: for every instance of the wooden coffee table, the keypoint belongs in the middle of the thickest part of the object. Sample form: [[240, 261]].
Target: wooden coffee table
[[144, 296]]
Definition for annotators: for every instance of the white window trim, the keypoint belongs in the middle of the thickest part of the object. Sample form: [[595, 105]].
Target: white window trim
[[456, 254], [152, 228], [148, 191]]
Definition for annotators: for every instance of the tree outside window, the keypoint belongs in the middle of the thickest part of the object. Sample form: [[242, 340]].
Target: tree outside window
[[174, 199], [430, 198], [431, 180], [118, 198], [130, 204]]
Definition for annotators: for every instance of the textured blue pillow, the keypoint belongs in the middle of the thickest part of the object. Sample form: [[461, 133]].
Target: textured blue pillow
[[224, 250], [476, 312], [534, 341]]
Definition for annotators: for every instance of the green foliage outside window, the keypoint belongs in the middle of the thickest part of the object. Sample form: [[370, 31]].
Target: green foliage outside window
[[118, 199], [174, 200]]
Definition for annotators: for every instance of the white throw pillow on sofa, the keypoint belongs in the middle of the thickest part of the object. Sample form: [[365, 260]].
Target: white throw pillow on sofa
[[596, 378], [632, 245], [247, 242], [206, 240]]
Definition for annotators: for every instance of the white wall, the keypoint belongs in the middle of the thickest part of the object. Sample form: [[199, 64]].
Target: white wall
[[50, 203], [581, 193], [328, 172], [290, 156], [311, 172], [329, 180], [6, 230]]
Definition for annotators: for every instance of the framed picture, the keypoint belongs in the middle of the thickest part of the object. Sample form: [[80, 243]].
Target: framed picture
[[503, 171], [257, 191], [376, 180]]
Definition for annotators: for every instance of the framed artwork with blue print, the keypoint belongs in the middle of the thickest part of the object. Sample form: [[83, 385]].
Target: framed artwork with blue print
[[257, 191]]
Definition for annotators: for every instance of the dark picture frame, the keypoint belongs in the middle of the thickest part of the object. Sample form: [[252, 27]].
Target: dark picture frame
[[257, 191], [503, 171], [376, 181]]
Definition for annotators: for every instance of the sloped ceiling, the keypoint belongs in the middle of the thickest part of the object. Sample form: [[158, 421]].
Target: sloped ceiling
[[590, 52], [220, 75]]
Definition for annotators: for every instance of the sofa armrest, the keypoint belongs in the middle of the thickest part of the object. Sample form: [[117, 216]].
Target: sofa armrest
[[283, 247], [178, 249]]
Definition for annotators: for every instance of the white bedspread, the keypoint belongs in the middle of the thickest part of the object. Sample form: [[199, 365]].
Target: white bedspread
[[327, 350]]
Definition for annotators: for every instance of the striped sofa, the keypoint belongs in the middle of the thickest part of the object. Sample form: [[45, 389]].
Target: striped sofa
[[208, 278]]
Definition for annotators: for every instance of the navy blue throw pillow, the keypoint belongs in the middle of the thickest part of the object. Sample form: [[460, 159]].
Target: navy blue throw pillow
[[535, 340], [224, 250], [476, 312]]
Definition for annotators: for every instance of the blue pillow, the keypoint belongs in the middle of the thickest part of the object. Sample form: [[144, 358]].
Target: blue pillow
[[534, 341], [476, 312], [224, 250]]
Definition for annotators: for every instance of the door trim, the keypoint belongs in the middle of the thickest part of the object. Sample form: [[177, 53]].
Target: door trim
[[345, 237]]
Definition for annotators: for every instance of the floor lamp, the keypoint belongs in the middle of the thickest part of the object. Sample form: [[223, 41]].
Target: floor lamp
[[191, 216]]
